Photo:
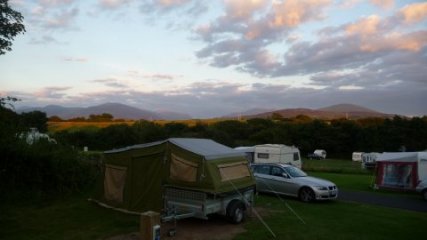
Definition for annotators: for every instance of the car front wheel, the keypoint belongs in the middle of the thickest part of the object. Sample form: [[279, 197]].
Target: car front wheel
[[306, 194]]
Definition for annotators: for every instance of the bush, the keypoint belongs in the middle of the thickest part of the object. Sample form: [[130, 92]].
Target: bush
[[44, 168]]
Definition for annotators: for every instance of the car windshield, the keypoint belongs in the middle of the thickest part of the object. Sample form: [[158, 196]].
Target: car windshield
[[295, 172]]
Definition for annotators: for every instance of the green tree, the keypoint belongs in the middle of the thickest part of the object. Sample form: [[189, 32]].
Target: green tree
[[10, 26], [34, 119]]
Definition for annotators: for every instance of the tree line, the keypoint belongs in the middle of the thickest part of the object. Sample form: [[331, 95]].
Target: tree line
[[339, 137], [46, 168]]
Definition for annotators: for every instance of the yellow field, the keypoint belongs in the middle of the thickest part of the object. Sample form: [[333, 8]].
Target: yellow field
[[59, 126]]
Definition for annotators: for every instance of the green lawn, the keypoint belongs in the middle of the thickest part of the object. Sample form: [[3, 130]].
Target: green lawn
[[335, 166], [72, 218], [76, 218], [334, 220]]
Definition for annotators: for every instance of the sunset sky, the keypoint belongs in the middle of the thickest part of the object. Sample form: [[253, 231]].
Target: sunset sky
[[211, 58]]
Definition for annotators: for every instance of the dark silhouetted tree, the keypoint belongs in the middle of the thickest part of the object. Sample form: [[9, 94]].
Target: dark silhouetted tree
[[10, 26]]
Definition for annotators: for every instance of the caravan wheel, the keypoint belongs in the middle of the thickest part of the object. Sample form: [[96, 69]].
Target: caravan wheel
[[236, 211]]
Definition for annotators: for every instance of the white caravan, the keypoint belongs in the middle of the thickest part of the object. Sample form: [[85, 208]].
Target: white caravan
[[277, 153], [357, 156]]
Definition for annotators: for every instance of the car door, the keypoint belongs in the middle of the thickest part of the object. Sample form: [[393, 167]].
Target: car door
[[279, 181], [262, 177], [292, 184]]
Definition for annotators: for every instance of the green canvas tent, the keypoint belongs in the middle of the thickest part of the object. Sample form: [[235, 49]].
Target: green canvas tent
[[134, 177]]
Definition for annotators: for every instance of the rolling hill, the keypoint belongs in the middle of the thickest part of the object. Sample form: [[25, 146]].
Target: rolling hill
[[349, 111], [118, 110]]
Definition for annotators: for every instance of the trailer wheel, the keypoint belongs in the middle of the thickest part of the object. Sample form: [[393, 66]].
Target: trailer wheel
[[236, 211]]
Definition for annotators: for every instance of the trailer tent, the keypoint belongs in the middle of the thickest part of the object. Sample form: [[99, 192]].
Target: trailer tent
[[134, 177], [401, 170]]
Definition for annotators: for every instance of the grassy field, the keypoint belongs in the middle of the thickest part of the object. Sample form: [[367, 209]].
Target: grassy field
[[72, 218], [59, 126], [334, 166], [76, 218], [334, 220]]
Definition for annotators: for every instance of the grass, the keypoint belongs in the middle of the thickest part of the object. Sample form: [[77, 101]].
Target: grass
[[334, 220], [72, 218], [66, 125], [76, 218], [59, 126], [334, 166]]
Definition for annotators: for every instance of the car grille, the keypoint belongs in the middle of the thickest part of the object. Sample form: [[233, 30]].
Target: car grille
[[332, 187]]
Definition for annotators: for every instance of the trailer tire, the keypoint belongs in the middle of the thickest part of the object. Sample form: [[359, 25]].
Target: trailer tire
[[236, 211]]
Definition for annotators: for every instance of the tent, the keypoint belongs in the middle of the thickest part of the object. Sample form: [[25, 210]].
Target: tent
[[134, 177], [401, 170]]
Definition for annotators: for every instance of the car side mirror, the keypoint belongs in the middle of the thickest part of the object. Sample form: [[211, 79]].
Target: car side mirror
[[285, 175]]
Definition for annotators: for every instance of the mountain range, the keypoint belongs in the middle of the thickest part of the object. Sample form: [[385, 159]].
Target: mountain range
[[349, 111], [122, 111], [118, 110]]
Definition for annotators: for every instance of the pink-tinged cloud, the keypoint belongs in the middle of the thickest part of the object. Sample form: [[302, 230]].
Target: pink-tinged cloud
[[112, 4], [366, 26], [292, 13], [410, 42], [62, 20], [386, 4], [415, 12], [243, 9]]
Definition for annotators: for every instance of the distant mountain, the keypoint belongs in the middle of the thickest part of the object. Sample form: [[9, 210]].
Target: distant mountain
[[167, 115], [118, 110], [249, 112], [343, 108], [349, 111]]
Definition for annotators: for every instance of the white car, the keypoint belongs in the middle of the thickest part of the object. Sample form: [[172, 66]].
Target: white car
[[422, 188], [291, 181]]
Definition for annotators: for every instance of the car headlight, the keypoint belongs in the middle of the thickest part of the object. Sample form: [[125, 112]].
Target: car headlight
[[322, 188]]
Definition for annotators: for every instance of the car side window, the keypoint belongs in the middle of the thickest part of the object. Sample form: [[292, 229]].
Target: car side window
[[262, 169], [276, 171]]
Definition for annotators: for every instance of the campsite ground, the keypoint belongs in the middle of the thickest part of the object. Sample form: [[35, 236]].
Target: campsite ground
[[76, 218]]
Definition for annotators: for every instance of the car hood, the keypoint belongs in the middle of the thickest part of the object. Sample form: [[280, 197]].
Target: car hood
[[313, 181]]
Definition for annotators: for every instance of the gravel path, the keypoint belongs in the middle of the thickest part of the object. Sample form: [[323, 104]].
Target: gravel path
[[403, 202]]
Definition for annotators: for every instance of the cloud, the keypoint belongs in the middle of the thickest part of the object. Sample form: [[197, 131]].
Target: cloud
[[51, 92], [242, 35], [75, 59], [174, 14], [385, 4], [45, 39], [62, 19], [111, 82], [113, 4], [415, 12]]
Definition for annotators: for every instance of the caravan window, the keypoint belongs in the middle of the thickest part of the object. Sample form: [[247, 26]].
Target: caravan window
[[296, 156], [263, 155], [183, 170]]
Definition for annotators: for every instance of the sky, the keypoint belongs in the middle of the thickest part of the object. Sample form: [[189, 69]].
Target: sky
[[211, 58]]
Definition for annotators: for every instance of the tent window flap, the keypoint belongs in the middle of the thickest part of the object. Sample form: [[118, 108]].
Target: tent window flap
[[233, 171], [114, 183], [183, 170]]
